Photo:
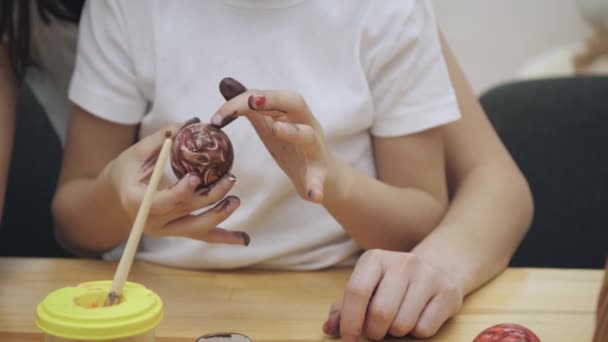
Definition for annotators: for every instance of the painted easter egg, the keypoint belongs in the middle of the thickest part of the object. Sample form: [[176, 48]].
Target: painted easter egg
[[204, 150], [507, 333]]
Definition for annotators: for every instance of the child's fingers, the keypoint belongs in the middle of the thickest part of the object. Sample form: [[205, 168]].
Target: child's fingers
[[437, 311], [385, 303], [187, 195], [359, 290], [337, 306], [303, 136], [315, 178], [229, 88], [273, 103], [332, 325], [196, 226], [287, 102], [149, 146], [417, 296], [234, 108], [219, 235], [212, 193], [179, 194]]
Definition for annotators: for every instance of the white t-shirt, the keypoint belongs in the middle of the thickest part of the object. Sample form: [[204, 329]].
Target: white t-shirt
[[362, 67], [53, 49]]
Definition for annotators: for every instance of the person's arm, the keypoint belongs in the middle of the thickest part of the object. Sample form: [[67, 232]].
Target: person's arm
[[393, 213], [490, 211], [411, 96], [412, 101], [491, 207], [8, 95], [103, 180], [105, 168], [404, 204], [89, 218]]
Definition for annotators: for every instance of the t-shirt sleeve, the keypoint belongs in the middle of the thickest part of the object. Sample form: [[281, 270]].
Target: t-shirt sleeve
[[104, 79], [405, 69]]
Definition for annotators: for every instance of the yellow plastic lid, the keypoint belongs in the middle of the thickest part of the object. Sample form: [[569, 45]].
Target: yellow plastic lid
[[78, 312]]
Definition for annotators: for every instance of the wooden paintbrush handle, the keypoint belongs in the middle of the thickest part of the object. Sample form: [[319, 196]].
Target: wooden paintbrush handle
[[124, 265]]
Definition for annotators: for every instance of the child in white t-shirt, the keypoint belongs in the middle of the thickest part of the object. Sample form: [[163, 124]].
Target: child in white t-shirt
[[342, 149], [368, 82]]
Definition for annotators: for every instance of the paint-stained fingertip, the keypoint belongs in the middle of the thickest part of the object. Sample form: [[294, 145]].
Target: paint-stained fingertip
[[231, 88], [217, 119], [315, 195], [246, 239]]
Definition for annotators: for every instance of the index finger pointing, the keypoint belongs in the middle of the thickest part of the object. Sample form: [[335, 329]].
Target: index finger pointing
[[229, 88]]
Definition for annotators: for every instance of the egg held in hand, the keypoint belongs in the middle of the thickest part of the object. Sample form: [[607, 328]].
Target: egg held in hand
[[507, 333], [204, 150]]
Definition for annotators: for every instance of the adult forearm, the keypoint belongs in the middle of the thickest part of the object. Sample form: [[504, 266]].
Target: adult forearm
[[379, 215], [88, 216], [483, 227]]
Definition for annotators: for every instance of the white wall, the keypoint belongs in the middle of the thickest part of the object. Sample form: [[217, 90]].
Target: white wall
[[493, 39]]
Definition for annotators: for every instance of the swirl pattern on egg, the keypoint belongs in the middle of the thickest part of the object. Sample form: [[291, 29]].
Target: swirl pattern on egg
[[507, 332], [204, 150]]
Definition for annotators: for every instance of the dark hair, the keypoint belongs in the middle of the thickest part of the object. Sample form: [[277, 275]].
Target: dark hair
[[15, 24]]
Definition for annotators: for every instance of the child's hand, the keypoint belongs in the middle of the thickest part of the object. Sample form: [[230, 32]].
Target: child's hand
[[393, 293], [170, 211], [287, 128]]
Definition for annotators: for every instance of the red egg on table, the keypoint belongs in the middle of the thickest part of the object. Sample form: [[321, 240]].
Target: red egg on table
[[507, 333]]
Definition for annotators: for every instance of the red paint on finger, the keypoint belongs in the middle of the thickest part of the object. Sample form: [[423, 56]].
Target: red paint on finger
[[260, 101], [256, 101]]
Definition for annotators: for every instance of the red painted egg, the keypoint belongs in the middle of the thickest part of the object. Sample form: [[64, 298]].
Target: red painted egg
[[507, 333]]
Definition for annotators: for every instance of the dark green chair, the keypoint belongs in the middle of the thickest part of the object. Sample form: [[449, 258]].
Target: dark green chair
[[557, 131]]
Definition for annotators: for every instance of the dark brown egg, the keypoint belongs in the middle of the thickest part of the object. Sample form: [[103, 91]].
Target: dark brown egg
[[204, 150]]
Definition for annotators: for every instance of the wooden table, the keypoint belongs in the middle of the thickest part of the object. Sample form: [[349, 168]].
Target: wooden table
[[292, 306]]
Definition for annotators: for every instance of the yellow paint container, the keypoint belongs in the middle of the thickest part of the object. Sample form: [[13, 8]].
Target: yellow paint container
[[77, 313]]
